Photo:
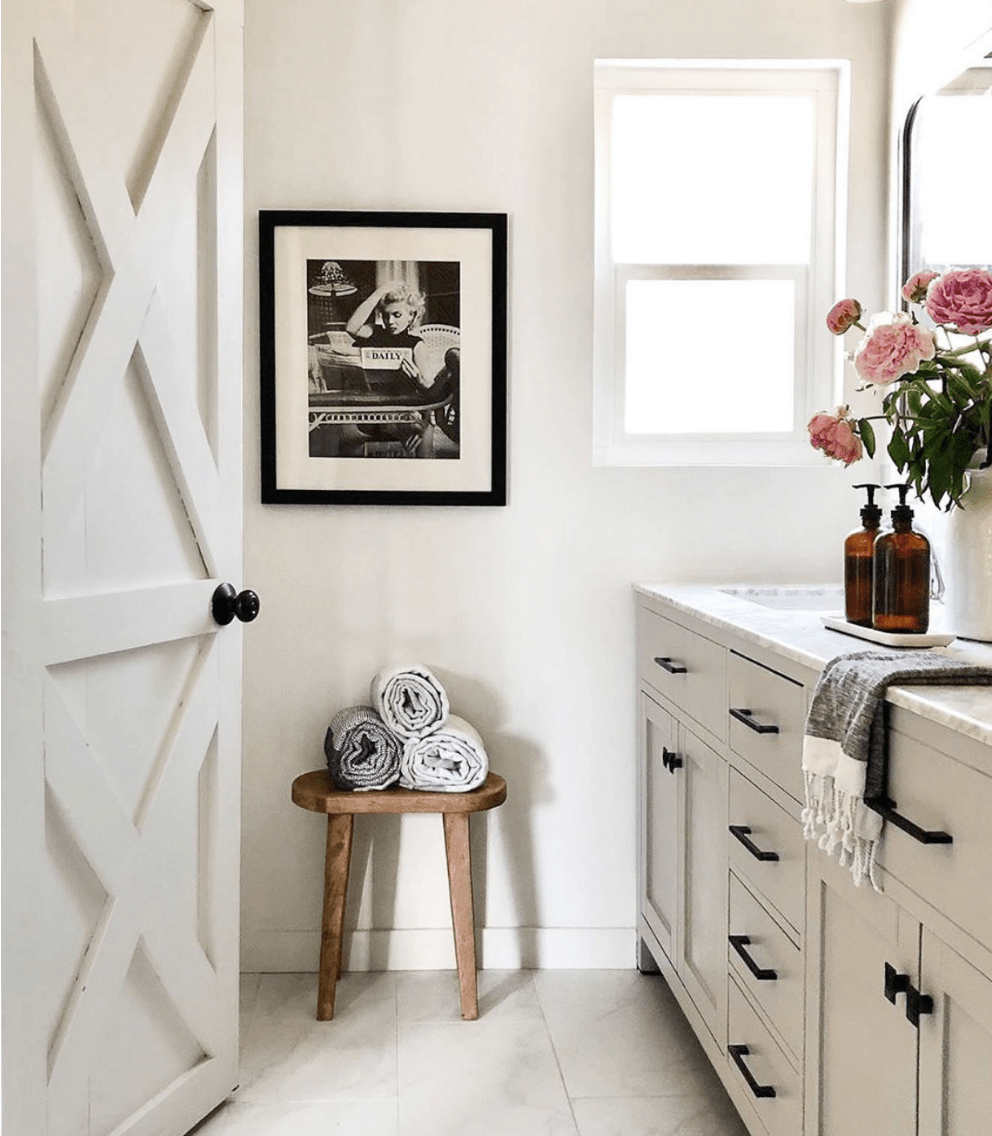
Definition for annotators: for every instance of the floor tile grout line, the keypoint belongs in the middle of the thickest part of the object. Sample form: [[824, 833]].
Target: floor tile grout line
[[554, 1050]]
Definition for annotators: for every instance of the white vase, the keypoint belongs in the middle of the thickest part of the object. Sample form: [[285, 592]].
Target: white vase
[[968, 560]]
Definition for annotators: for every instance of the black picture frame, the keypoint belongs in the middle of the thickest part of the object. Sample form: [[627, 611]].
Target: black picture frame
[[356, 412]]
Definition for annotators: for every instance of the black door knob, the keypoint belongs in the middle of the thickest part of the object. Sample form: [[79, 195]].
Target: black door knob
[[227, 603]]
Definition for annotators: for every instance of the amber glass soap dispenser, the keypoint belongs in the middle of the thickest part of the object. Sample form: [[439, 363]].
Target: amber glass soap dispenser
[[902, 574], [859, 562]]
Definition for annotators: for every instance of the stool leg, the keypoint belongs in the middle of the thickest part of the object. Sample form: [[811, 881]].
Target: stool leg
[[337, 861], [460, 883]]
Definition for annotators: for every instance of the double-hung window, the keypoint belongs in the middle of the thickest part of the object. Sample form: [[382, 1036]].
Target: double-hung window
[[719, 191]]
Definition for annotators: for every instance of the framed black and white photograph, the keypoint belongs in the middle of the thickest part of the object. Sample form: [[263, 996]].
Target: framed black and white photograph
[[383, 357]]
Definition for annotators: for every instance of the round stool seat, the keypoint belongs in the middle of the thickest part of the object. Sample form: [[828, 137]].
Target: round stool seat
[[315, 791]]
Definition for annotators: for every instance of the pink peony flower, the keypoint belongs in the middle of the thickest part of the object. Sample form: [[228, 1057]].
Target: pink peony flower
[[844, 314], [915, 288], [893, 346], [963, 298], [833, 434]]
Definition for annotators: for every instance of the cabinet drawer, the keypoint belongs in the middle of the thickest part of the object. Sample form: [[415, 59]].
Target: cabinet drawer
[[767, 1069], [778, 986], [767, 847], [937, 794], [766, 718], [692, 671]]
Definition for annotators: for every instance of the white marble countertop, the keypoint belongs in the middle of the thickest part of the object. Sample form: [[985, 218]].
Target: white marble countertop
[[786, 619]]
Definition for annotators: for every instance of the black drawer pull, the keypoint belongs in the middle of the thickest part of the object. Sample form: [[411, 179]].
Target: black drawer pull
[[895, 983], [671, 761], [739, 942], [916, 1004], [886, 809], [742, 832], [749, 720], [666, 664], [737, 1054]]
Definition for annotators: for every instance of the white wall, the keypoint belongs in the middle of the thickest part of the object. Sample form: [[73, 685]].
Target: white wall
[[525, 612]]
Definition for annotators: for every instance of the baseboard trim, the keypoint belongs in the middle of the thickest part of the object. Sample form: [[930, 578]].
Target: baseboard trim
[[500, 948]]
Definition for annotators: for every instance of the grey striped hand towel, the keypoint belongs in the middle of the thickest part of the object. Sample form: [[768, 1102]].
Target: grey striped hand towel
[[844, 748]]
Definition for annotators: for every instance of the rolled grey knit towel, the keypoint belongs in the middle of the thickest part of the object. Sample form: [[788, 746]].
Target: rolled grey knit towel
[[452, 759], [410, 699], [362, 752]]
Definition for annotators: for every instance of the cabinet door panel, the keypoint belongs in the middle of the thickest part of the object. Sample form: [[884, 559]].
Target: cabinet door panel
[[659, 825], [955, 1044], [702, 952], [861, 1045]]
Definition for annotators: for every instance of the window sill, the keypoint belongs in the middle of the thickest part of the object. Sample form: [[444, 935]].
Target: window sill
[[723, 452]]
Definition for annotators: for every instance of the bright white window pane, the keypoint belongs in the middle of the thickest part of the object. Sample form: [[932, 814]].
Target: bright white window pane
[[955, 169], [709, 356], [723, 179]]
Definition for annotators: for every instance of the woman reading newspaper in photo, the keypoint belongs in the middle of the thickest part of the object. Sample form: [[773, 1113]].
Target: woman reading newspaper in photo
[[400, 309]]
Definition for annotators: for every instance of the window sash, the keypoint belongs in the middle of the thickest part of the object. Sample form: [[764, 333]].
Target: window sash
[[798, 274]]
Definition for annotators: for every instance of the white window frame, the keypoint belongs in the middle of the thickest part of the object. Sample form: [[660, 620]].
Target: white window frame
[[818, 380]]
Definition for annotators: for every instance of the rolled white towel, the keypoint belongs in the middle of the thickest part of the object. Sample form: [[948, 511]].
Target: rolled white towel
[[452, 759], [410, 699]]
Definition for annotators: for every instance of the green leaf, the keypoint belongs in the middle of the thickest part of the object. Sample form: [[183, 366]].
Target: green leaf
[[899, 449], [942, 401], [914, 400], [963, 447], [960, 389], [867, 433], [941, 476]]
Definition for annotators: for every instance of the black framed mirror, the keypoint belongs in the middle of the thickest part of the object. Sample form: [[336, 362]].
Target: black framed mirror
[[947, 175]]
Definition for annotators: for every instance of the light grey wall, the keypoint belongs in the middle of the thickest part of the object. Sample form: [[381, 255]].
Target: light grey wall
[[525, 612]]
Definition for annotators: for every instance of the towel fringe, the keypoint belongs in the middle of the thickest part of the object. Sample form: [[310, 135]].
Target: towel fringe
[[830, 818]]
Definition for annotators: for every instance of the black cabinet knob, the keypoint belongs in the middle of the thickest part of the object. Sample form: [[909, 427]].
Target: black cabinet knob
[[895, 983], [917, 1004], [228, 604]]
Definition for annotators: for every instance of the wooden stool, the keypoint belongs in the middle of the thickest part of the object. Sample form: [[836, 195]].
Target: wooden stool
[[316, 792]]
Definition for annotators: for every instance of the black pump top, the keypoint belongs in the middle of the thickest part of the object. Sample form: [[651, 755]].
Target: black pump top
[[902, 513], [871, 514]]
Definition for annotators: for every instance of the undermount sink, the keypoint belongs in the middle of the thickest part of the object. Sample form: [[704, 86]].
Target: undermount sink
[[791, 597]]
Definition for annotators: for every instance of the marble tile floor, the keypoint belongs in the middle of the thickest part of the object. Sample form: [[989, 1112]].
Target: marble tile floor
[[554, 1053]]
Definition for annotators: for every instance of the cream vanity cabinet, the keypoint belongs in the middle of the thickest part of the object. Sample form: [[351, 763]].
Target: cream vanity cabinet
[[722, 863], [900, 1013], [826, 1009]]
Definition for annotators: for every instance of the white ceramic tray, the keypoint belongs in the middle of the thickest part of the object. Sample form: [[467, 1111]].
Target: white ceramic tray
[[888, 638]]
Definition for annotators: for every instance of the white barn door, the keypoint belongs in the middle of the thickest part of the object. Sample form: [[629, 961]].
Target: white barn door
[[123, 230]]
